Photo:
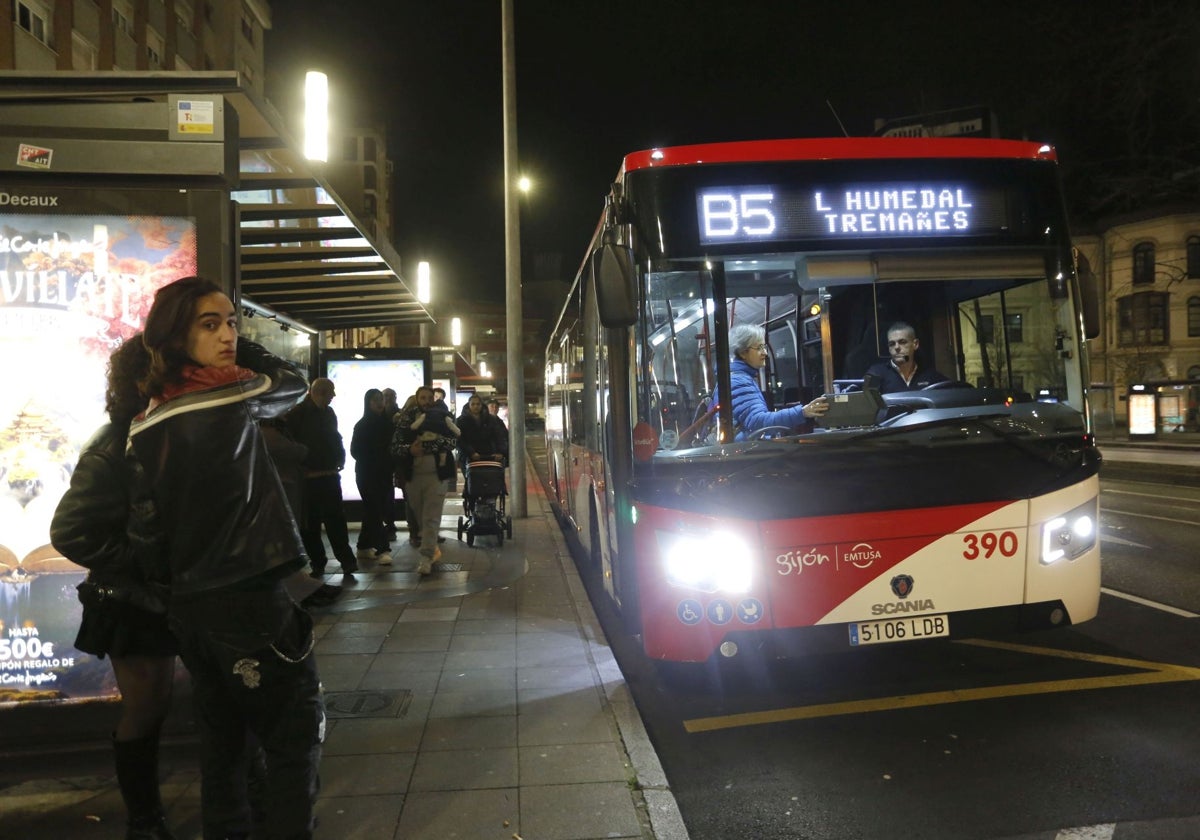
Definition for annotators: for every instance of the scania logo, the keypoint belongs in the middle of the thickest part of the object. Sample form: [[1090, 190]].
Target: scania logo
[[14, 200], [916, 605], [902, 585]]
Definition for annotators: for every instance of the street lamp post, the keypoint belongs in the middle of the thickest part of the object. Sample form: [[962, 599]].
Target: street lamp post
[[512, 261]]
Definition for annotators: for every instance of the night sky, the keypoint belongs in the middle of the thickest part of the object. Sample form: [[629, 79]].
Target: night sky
[[1113, 84]]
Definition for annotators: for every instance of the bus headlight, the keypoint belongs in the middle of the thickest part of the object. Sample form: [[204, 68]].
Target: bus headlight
[[1070, 535], [708, 562]]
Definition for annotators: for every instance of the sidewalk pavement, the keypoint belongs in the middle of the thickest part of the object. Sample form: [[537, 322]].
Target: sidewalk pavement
[[1172, 461], [479, 703]]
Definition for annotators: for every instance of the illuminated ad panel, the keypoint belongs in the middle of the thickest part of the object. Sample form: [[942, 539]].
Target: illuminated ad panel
[[73, 286], [352, 378]]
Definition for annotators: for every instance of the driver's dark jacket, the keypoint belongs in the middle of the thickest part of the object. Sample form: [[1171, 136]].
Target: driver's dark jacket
[[221, 509], [890, 380]]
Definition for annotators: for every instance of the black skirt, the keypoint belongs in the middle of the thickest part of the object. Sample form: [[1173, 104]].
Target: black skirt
[[115, 628]]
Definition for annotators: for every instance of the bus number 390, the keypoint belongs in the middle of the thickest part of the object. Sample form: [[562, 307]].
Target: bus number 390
[[988, 543]]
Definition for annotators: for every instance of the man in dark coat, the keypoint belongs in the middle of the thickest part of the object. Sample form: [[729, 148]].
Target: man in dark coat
[[314, 424]]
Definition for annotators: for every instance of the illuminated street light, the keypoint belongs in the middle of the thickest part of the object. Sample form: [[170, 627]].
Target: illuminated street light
[[423, 290], [456, 331], [524, 184], [316, 116]]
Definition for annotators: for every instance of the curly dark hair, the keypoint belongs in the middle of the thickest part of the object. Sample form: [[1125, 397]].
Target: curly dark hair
[[127, 367], [166, 331]]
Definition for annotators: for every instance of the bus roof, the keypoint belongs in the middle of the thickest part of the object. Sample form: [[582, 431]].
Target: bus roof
[[838, 148]]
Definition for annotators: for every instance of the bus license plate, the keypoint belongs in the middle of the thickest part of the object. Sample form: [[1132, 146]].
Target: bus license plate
[[899, 629]]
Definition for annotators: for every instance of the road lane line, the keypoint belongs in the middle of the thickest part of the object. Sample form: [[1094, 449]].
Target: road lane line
[[1149, 673], [1148, 516], [1121, 541], [1147, 603], [1154, 496], [1088, 832]]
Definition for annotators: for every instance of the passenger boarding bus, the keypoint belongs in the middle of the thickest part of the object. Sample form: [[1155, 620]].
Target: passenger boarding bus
[[965, 508]]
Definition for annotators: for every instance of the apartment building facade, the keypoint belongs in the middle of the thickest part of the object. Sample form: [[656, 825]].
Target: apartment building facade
[[1149, 270], [149, 35]]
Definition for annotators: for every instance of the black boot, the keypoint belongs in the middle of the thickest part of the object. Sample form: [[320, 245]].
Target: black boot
[[137, 776]]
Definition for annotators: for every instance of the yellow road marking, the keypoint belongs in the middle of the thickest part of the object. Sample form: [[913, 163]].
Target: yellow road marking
[[1149, 674]]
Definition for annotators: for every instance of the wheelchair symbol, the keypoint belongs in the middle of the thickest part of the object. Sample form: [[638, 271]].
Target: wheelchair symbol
[[689, 611]]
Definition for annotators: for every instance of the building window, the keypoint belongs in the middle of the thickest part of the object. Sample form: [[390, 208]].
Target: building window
[[350, 148], [185, 15], [247, 26], [156, 46], [1142, 319], [1193, 256], [1193, 317], [1014, 328], [122, 14], [987, 329], [83, 54], [369, 178], [1143, 263], [1194, 372], [34, 17], [368, 148]]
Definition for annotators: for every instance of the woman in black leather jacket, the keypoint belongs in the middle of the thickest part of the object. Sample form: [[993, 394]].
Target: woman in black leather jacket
[[229, 539], [123, 617]]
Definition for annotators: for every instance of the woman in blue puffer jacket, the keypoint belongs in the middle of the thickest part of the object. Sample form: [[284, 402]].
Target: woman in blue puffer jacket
[[748, 349]]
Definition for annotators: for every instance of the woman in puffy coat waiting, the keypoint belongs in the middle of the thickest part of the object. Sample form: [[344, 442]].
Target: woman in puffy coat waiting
[[123, 617], [229, 538], [748, 351]]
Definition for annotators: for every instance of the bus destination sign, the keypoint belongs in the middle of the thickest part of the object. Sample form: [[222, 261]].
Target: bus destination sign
[[747, 214]]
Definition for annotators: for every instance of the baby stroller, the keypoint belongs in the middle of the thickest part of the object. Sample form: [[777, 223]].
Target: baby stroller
[[483, 501]]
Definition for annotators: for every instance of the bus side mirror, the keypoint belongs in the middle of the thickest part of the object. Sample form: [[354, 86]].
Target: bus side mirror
[[1089, 293], [613, 273], [1089, 290]]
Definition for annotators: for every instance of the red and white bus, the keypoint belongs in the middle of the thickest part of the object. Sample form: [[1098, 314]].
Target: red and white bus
[[963, 509]]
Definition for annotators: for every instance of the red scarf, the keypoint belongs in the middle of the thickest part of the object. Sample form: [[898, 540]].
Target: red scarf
[[197, 378]]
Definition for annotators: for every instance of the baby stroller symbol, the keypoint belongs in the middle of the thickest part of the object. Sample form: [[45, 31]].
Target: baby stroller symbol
[[484, 502]]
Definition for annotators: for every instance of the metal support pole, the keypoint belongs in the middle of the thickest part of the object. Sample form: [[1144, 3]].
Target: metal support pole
[[512, 284]]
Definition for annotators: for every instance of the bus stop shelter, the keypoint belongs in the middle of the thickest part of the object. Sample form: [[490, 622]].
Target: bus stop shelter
[[111, 185]]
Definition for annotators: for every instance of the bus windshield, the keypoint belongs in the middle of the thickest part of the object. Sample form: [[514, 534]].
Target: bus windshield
[[999, 331]]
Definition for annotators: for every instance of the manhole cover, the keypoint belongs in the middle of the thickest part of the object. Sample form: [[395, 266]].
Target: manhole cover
[[449, 567], [363, 704]]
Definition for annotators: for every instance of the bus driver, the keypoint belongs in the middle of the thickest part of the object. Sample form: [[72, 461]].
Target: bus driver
[[748, 349], [900, 371]]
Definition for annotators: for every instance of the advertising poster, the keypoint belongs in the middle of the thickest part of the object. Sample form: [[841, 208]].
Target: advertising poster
[[352, 378], [72, 288], [1141, 414]]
